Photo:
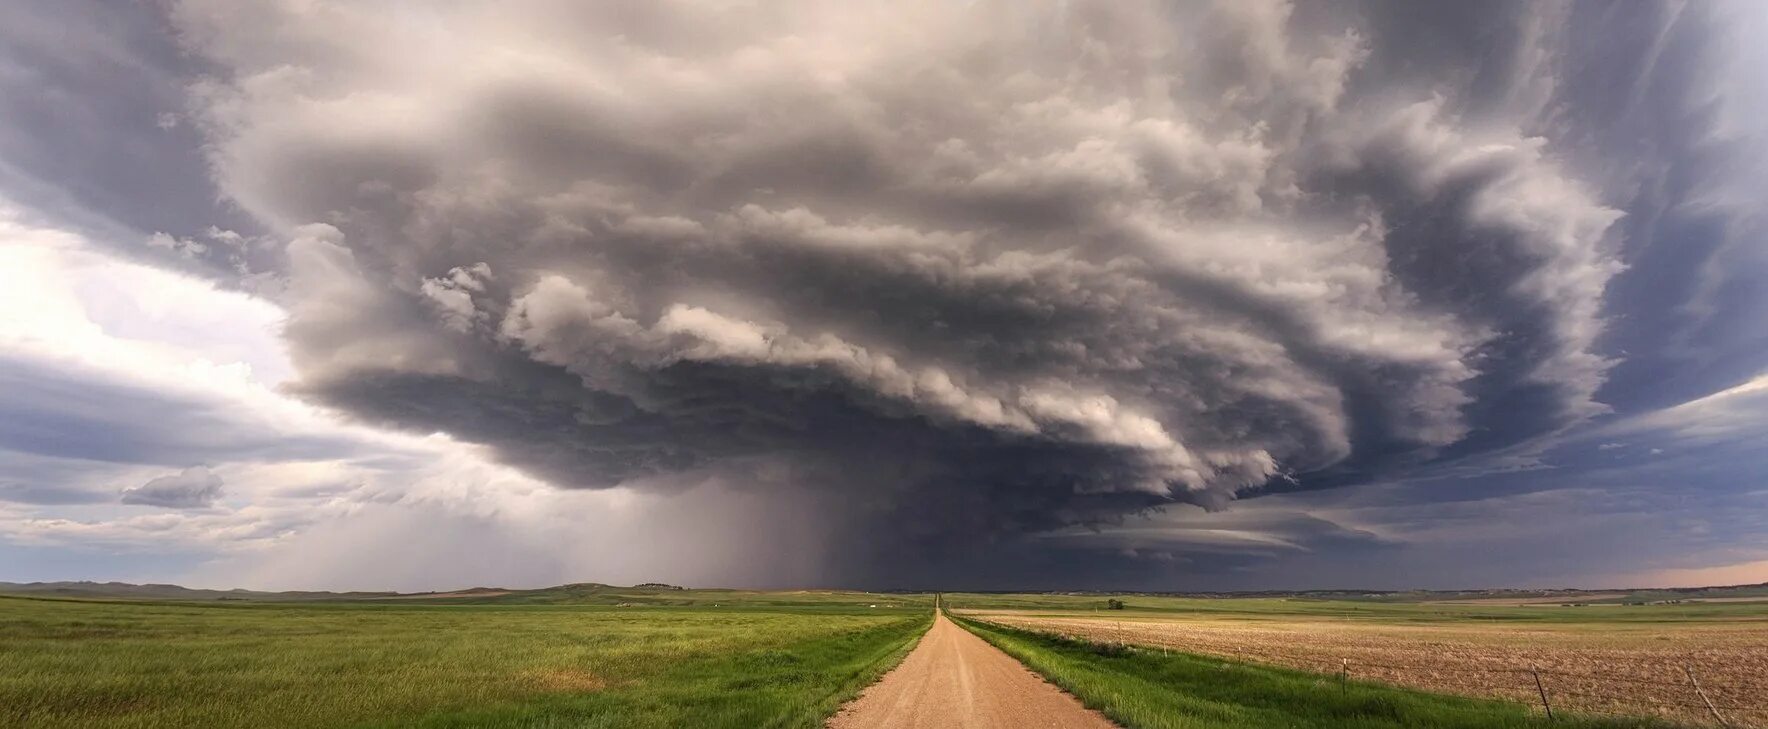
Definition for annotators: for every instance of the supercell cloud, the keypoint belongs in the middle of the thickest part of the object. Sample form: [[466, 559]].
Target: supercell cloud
[[983, 269], [936, 276]]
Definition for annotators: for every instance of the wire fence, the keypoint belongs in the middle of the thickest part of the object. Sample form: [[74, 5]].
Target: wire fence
[[1687, 689]]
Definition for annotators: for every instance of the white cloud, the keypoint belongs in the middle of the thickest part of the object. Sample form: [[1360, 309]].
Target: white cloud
[[1738, 413], [66, 300]]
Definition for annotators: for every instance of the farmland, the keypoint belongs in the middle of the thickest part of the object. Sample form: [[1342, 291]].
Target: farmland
[[587, 655], [1147, 689], [574, 656], [1616, 658]]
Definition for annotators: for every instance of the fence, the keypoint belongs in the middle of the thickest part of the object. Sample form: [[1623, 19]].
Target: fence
[[1687, 689], [1585, 692]]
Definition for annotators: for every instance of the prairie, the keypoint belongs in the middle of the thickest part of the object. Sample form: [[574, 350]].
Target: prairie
[[654, 656], [651, 658]]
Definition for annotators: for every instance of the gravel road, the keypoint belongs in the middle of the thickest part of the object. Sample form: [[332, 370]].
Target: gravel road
[[954, 679]]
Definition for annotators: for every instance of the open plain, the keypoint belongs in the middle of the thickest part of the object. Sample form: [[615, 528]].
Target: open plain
[[1634, 660], [588, 655], [579, 656]]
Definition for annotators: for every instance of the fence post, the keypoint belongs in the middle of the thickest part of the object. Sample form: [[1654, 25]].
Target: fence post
[[1344, 676], [1542, 688], [1703, 697]]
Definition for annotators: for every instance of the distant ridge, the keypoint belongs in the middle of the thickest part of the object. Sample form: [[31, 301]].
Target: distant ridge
[[649, 594], [573, 592], [168, 592], [659, 593]]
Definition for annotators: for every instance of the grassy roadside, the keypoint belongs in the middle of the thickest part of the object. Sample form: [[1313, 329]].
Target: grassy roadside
[[1142, 689], [143, 664], [873, 669]]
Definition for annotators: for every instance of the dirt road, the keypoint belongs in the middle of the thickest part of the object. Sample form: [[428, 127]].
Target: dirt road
[[954, 679]]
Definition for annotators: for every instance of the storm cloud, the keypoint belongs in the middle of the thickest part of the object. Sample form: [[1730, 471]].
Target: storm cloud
[[880, 294], [981, 269]]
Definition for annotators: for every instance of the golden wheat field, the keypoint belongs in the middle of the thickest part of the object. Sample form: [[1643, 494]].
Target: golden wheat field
[[1639, 669]]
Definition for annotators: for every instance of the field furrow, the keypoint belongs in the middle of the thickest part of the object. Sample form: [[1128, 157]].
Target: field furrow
[[1640, 670]]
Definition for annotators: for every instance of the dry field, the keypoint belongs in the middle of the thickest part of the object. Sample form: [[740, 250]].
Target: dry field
[[1638, 669], [1522, 601]]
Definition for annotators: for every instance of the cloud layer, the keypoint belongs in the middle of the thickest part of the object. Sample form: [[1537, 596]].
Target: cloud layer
[[879, 294], [985, 269]]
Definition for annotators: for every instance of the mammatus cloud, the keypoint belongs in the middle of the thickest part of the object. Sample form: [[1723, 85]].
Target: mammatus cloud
[[981, 269], [193, 488]]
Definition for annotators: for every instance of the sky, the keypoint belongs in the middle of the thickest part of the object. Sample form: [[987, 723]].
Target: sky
[[1239, 295]]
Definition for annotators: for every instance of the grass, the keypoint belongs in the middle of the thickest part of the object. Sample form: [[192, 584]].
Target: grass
[[1142, 689], [754, 663], [600, 656]]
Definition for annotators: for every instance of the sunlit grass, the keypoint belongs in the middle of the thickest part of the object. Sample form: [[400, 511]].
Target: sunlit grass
[[120, 664]]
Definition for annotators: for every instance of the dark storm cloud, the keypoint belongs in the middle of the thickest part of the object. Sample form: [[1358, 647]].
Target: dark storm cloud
[[980, 270], [98, 136], [1685, 102]]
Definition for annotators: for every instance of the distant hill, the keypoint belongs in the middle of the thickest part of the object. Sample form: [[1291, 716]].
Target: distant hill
[[657, 593], [124, 590], [582, 593]]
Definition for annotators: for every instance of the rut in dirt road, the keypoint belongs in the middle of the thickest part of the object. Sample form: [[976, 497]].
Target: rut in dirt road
[[955, 679]]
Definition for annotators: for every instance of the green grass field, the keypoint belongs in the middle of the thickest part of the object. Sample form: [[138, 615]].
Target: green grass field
[[1144, 689], [771, 660], [600, 656]]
